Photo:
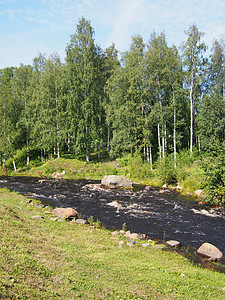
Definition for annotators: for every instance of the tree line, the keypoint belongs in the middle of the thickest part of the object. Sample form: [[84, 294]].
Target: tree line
[[153, 99]]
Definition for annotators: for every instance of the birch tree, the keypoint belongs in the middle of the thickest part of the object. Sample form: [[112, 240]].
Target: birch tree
[[82, 59], [21, 89], [193, 61]]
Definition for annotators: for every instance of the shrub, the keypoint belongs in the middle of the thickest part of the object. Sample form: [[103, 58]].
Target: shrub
[[214, 171], [165, 170]]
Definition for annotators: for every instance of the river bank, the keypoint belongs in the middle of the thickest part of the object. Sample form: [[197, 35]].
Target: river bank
[[42, 258], [191, 177]]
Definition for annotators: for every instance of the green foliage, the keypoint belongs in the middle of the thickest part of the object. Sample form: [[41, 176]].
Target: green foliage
[[165, 170], [134, 166], [214, 171]]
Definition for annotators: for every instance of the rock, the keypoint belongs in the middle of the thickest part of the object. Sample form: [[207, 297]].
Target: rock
[[146, 245], [158, 247], [209, 250], [42, 180], [114, 233], [204, 212], [115, 203], [198, 193], [115, 181], [38, 217], [81, 221], [165, 186], [65, 213], [135, 236], [94, 187], [173, 243], [161, 191], [149, 188]]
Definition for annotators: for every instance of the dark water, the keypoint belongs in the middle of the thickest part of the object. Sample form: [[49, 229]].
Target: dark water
[[159, 216]]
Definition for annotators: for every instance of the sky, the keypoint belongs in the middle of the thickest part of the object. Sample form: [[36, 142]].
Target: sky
[[28, 28]]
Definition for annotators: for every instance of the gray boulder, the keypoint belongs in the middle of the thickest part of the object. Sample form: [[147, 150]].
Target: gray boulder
[[116, 181], [210, 251]]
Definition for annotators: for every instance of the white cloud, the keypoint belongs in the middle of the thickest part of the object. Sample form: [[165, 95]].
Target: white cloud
[[130, 13]]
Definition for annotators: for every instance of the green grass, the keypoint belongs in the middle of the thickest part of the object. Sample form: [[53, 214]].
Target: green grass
[[43, 259]]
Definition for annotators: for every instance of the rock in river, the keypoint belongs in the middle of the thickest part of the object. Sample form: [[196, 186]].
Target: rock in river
[[116, 181]]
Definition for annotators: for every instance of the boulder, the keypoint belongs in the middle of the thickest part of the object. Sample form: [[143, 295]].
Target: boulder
[[210, 251], [65, 213], [173, 243], [198, 193], [115, 181]]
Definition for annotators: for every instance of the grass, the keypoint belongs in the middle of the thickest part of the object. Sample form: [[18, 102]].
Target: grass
[[41, 259]]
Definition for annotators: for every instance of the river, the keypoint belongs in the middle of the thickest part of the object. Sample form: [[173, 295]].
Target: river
[[160, 216]]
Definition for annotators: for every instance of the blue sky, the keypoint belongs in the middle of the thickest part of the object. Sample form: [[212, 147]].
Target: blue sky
[[30, 27]]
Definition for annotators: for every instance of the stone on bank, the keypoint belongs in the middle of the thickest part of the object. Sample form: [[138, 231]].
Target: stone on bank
[[210, 251]]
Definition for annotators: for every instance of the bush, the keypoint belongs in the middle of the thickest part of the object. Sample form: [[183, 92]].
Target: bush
[[135, 166], [214, 171], [165, 170]]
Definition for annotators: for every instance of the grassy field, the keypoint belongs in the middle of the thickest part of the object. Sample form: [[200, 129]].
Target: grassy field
[[46, 259]]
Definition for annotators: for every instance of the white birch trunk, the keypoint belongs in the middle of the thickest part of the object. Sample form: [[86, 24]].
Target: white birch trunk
[[165, 137], [199, 144], [159, 143], [150, 154], [144, 153], [108, 137], [148, 159], [68, 143], [14, 164], [163, 144], [174, 132], [28, 152], [174, 138]]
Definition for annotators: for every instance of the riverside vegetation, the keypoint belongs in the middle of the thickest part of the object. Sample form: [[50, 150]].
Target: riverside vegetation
[[41, 258]]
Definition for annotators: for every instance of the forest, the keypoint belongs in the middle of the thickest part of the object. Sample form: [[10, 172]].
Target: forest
[[154, 100]]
